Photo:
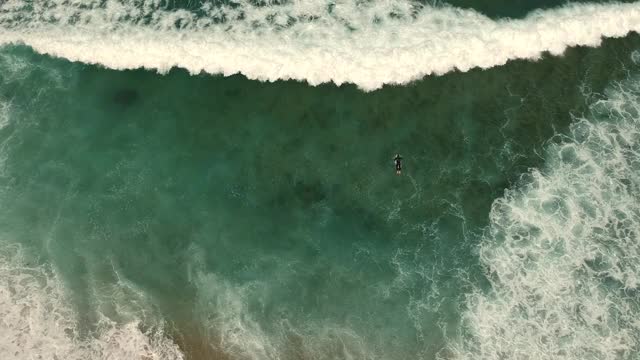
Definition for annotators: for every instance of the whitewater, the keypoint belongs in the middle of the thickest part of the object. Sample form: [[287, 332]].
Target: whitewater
[[560, 251], [167, 216], [369, 44]]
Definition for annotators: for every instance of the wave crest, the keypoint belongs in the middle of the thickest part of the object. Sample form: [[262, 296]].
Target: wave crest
[[366, 43]]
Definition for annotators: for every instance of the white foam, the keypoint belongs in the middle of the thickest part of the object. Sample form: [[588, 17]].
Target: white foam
[[231, 327], [563, 251], [366, 43], [635, 56], [230, 321], [5, 112], [5, 118], [37, 322]]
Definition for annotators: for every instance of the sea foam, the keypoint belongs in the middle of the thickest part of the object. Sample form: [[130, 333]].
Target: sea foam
[[563, 248], [38, 322], [366, 43], [231, 326]]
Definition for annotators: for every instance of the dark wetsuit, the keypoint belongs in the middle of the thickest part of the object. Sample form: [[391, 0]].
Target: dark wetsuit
[[398, 162]]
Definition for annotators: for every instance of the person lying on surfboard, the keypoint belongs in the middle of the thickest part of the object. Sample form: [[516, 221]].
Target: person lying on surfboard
[[398, 161]]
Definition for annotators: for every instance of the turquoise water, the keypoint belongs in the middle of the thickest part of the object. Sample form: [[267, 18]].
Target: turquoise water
[[190, 215]]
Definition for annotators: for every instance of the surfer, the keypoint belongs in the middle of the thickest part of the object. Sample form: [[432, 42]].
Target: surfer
[[398, 161]]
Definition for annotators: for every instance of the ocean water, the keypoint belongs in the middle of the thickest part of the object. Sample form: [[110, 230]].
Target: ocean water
[[214, 180]]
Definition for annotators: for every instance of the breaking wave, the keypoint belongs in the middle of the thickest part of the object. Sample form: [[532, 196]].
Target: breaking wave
[[368, 43], [563, 249], [39, 322]]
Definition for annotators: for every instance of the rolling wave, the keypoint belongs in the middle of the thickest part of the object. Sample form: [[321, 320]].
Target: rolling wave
[[369, 44]]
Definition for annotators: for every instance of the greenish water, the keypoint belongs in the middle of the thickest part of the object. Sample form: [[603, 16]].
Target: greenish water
[[515, 8], [178, 215], [268, 217]]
